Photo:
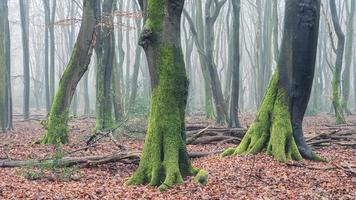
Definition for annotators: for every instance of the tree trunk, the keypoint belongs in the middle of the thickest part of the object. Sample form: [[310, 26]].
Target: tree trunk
[[235, 88], [165, 159], [348, 57], [86, 93], [8, 66], [278, 125], [210, 19], [336, 101], [3, 67], [46, 52], [104, 118], [52, 82], [26, 62], [57, 125], [134, 85]]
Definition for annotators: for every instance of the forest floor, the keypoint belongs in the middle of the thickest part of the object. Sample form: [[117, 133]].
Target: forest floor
[[241, 177]]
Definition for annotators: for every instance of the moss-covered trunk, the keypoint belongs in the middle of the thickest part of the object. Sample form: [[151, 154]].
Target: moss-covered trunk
[[336, 80], [57, 124], [278, 125], [165, 160]]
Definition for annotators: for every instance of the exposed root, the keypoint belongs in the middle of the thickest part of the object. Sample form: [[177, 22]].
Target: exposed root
[[272, 129]]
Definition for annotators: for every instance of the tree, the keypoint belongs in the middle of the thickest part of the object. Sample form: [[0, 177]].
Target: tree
[[348, 57], [234, 103], [57, 124], [198, 33], [5, 95], [46, 57], [165, 160], [8, 66], [204, 40], [52, 82], [336, 101], [134, 85], [26, 62], [278, 125], [105, 51]]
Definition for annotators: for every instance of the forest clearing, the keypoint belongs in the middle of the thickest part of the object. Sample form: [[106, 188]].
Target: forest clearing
[[177, 99]]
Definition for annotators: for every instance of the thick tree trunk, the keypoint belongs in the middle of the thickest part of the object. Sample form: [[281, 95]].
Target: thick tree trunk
[[278, 125], [336, 101], [104, 118], [234, 103], [57, 125], [165, 159], [26, 62]]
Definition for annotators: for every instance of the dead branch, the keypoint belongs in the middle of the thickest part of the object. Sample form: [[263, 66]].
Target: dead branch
[[130, 157]]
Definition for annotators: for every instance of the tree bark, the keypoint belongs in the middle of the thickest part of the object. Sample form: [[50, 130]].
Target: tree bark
[[57, 125], [26, 62], [278, 125], [3, 67], [138, 52], [8, 66], [46, 52], [336, 101], [165, 159], [52, 77], [348, 57], [105, 58], [234, 103]]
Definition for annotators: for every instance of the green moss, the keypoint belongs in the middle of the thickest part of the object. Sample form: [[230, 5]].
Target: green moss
[[57, 124], [201, 177], [340, 119], [155, 14], [272, 128], [281, 143], [56, 129], [165, 160], [258, 134]]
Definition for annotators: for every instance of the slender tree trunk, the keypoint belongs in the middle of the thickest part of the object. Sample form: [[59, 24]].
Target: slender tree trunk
[[104, 118], [278, 125], [134, 85], [86, 93], [71, 41], [8, 65], [26, 62], [52, 71], [57, 125], [117, 76], [336, 101], [210, 18], [46, 52], [275, 29], [3, 67], [164, 160], [348, 57], [235, 88]]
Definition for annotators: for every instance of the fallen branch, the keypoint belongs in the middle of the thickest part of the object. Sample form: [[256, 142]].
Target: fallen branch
[[131, 157]]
